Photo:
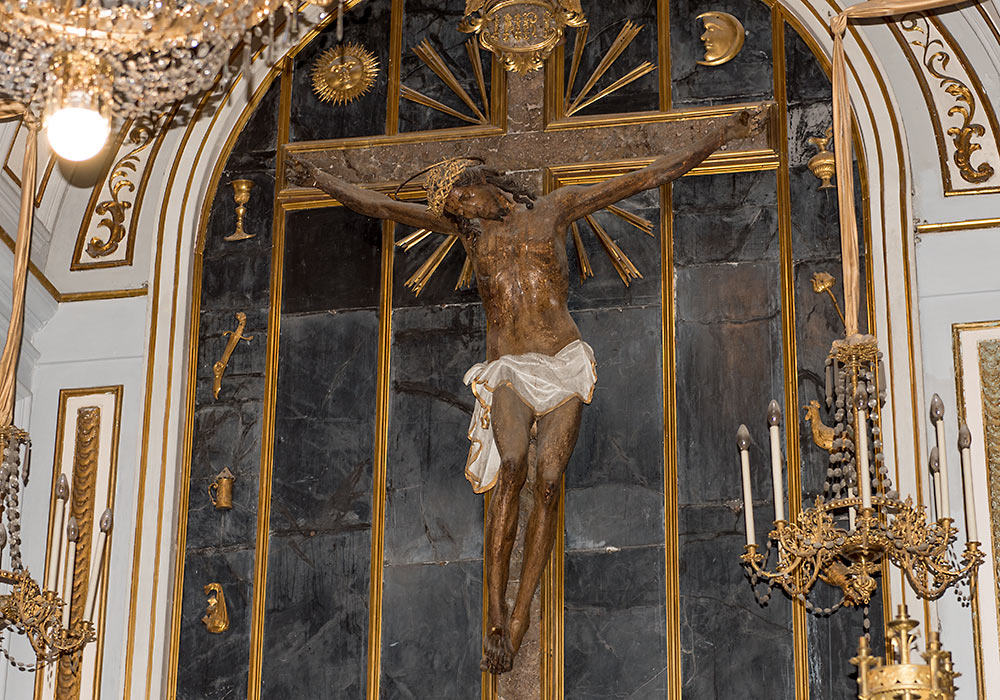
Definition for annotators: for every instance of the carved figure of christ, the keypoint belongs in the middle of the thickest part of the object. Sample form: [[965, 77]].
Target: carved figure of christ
[[517, 245]]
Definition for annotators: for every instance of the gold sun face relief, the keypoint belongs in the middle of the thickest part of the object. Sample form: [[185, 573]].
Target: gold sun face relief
[[344, 73]]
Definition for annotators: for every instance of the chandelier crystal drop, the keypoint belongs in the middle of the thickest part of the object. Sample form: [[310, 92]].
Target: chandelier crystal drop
[[135, 57]]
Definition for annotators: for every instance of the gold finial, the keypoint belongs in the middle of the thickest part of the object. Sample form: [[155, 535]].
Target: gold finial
[[823, 165]]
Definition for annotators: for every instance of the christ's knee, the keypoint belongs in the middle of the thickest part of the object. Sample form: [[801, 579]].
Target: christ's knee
[[548, 489], [513, 472]]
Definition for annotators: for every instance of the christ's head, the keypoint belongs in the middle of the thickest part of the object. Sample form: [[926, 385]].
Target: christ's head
[[482, 193]]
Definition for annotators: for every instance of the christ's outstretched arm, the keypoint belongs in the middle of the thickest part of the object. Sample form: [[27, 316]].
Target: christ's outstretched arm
[[367, 202], [576, 201]]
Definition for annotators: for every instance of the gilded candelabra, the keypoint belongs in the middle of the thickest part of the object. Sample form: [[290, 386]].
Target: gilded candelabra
[[897, 678], [859, 521], [40, 613]]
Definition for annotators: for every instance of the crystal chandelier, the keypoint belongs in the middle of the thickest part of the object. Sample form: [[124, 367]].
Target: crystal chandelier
[[77, 63]]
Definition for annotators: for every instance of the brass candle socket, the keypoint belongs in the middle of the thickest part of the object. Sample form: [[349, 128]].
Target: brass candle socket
[[241, 193]]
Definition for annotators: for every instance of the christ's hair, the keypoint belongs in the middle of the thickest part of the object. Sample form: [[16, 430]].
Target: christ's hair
[[480, 175]]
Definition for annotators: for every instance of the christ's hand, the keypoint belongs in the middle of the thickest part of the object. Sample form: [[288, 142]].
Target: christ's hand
[[746, 123], [299, 172]]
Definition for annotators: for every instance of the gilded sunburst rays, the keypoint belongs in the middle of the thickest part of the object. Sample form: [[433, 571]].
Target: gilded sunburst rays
[[584, 99], [622, 264], [433, 60], [344, 73]]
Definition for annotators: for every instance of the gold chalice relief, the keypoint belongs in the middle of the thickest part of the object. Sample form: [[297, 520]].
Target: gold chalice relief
[[344, 73], [723, 38]]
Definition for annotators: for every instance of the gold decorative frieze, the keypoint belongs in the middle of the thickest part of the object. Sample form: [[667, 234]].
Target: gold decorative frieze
[[521, 32], [964, 121], [989, 368], [108, 231]]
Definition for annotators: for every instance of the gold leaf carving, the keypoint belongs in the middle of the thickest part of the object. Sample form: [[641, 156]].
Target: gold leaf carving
[[120, 183], [935, 59], [989, 370], [88, 428]]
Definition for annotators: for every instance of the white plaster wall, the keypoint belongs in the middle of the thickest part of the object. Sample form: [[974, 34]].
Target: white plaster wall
[[84, 344], [958, 277]]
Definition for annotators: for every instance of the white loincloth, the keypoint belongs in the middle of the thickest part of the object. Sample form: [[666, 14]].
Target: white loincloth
[[544, 382]]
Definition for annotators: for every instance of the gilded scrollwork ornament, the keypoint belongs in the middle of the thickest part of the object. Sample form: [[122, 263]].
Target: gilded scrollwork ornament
[[936, 59], [120, 182]]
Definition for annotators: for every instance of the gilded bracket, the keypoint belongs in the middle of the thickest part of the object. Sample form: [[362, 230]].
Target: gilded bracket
[[219, 368], [216, 618]]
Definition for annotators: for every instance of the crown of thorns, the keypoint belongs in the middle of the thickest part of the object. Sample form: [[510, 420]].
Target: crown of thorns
[[441, 179]]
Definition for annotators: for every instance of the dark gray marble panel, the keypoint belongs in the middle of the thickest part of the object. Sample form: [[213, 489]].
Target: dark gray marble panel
[[332, 261], [615, 624], [606, 289], [805, 80], [316, 624], [438, 23], [214, 666], [606, 20], [614, 482], [236, 274], [432, 514], [226, 435], [325, 422], [729, 644], [431, 631], [256, 146], [725, 219], [311, 119], [748, 77]]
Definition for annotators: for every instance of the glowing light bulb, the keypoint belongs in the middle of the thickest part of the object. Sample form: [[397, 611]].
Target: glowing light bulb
[[78, 115], [77, 133]]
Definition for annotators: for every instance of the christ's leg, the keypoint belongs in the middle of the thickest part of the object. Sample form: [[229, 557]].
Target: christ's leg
[[512, 421], [557, 432]]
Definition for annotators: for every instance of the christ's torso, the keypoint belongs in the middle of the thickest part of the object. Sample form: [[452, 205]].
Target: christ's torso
[[523, 279]]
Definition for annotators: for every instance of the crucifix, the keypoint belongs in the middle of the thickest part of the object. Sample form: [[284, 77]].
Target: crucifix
[[538, 372]]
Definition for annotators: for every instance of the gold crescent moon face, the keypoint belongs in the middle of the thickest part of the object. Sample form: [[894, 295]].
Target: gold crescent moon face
[[723, 37]]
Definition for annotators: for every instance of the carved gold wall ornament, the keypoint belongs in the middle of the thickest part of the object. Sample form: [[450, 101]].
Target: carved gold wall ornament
[[989, 368], [344, 73], [824, 164], [723, 38], [114, 210], [822, 282], [220, 491], [822, 434], [959, 108], [216, 617], [219, 368], [241, 194], [522, 33]]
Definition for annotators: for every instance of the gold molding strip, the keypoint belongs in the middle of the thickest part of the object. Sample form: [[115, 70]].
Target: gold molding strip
[[85, 457], [989, 366], [671, 511], [263, 541], [793, 457], [967, 225]]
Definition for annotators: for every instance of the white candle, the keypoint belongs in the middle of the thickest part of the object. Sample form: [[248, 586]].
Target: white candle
[[72, 533], [95, 572], [937, 415], [774, 428], [965, 448], [58, 525], [864, 475], [743, 442]]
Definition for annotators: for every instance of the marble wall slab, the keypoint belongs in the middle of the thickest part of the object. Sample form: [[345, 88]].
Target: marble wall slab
[[606, 20], [437, 23], [312, 119], [747, 78]]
